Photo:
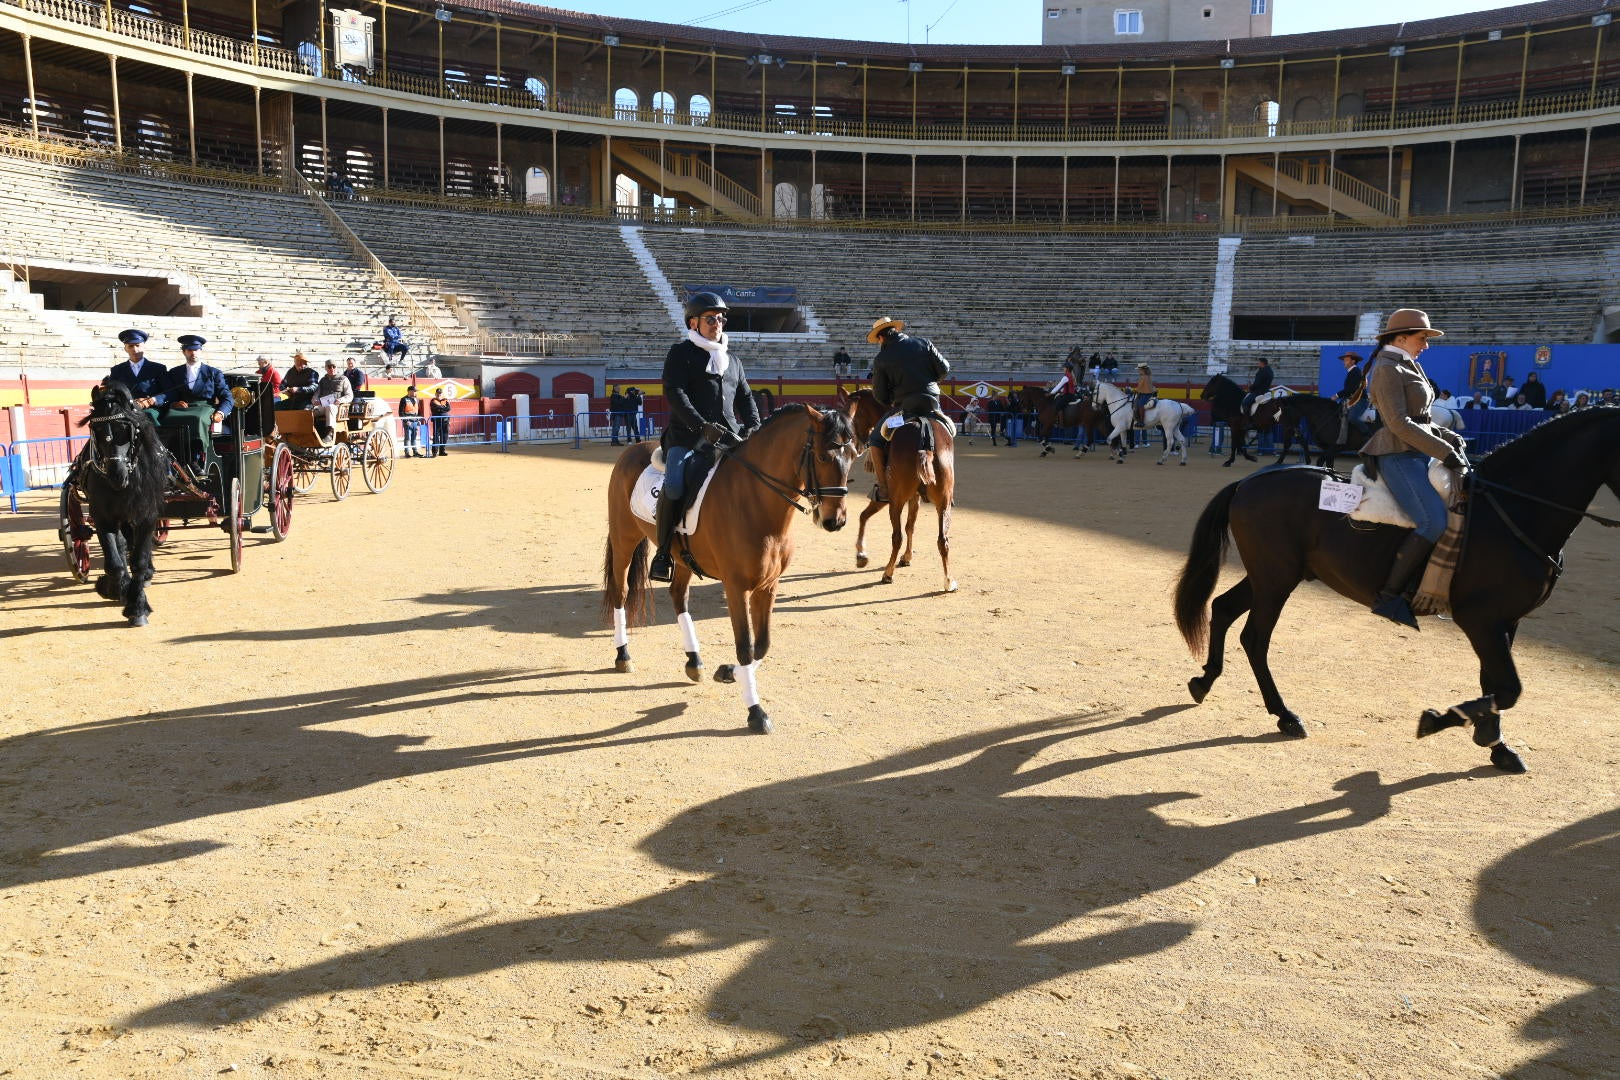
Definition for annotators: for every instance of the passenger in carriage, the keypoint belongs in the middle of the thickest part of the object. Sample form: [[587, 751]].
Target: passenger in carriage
[[145, 378], [269, 378], [194, 394], [332, 396], [905, 380], [298, 385]]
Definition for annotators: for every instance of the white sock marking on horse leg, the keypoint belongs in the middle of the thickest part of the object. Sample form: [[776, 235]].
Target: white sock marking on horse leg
[[689, 640], [621, 636], [745, 682]]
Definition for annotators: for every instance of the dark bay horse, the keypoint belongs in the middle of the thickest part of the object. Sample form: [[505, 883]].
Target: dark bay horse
[[1527, 497], [1311, 418], [743, 538], [1080, 414], [912, 474], [1226, 406], [124, 477]]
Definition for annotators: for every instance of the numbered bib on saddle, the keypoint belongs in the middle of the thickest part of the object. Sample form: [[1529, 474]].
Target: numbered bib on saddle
[[1340, 498]]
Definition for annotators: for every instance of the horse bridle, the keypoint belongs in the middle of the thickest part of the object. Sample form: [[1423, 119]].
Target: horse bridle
[[1488, 486], [104, 424], [812, 488]]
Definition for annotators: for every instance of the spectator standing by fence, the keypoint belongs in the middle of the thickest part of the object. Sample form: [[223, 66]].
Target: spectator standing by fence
[[841, 362], [636, 404], [1534, 390], [440, 408], [410, 414], [617, 408]]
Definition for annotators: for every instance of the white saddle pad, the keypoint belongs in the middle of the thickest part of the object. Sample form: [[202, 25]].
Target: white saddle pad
[[644, 499], [1269, 395], [1378, 503]]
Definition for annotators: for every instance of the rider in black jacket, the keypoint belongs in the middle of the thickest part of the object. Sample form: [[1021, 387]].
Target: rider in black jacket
[[708, 399], [905, 377]]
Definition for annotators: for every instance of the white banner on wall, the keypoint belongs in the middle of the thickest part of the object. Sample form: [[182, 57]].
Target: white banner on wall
[[351, 36]]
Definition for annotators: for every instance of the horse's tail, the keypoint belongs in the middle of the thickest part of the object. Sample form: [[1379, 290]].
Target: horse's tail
[[925, 466], [637, 597], [1203, 569]]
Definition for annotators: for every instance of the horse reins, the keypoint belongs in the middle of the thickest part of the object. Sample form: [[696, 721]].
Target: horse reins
[[1556, 564], [96, 461], [812, 490]]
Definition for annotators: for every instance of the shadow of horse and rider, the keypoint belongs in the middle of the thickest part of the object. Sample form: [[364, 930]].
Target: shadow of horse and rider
[[855, 884]]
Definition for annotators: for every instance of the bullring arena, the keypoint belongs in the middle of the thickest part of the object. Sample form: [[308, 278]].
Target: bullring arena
[[379, 805]]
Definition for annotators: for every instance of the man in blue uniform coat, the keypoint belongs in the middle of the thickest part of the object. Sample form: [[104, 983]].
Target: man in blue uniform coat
[[145, 378]]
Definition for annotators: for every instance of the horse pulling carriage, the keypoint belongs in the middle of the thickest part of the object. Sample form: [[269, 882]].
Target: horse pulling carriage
[[360, 441], [136, 479]]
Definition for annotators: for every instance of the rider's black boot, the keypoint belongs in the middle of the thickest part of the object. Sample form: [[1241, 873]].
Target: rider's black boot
[[880, 472], [1392, 602], [664, 519]]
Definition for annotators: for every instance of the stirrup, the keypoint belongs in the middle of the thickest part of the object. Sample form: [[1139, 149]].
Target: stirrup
[[662, 568], [1396, 609]]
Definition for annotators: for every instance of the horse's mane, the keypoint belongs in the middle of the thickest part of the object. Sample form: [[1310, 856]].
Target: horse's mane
[[1536, 442], [835, 417]]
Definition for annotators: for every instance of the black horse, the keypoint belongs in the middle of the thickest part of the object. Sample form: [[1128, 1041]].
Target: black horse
[[1226, 405], [124, 477], [1526, 498], [1321, 420]]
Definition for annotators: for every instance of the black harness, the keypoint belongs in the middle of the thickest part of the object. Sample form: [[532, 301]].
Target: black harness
[[811, 489]]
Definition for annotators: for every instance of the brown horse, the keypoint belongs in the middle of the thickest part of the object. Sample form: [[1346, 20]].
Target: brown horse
[[912, 473], [1226, 405], [743, 538], [1080, 414]]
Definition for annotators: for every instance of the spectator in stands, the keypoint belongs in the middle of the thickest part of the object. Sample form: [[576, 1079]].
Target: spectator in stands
[[841, 362], [440, 408], [905, 381], [1559, 402], [195, 393], [298, 386], [1443, 395], [1583, 400], [410, 414], [431, 370], [1534, 390], [394, 344], [332, 396], [617, 409], [1520, 402], [1353, 394], [1478, 401], [269, 378], [636, 402], [356, 375], [1110, 367], [1607, 397], [1502, 394], [145, 378]]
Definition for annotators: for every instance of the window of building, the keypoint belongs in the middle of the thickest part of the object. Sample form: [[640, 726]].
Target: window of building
[[98, 125], [536, 87], [663, 104], [699, 108], [359, 168], [626, 103], [1209, 13], [1257, 7], [1127, 21], [537, 187], [1052, 12]]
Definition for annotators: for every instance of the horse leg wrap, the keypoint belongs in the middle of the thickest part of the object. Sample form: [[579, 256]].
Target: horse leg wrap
[[746, 683], [689, 639], [621, 636], [1487, 720]]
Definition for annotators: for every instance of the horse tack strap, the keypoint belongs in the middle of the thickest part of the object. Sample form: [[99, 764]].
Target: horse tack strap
[[1557, 564], [1608, 523]]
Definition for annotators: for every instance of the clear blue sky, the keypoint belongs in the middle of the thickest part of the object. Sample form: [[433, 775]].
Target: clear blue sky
[[979, 22]]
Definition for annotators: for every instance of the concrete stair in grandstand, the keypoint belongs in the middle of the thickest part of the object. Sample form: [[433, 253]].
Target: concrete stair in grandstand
[[1314, 184], [686, 174]]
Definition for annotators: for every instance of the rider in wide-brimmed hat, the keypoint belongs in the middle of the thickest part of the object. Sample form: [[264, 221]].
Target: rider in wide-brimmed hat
[[905, 379]]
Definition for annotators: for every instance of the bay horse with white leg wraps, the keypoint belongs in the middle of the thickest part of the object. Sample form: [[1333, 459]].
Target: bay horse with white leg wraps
[[912, 474], [743, 538], [1525, 499]]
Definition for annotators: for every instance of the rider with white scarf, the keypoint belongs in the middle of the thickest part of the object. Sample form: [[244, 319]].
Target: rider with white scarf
[[708, 399]]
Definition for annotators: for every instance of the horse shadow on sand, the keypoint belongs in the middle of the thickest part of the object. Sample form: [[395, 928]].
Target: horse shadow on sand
[[871, 898], [1553, 904], [69, 793]]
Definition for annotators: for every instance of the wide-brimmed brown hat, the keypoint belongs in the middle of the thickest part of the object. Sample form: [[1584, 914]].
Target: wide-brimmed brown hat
[[1408, 321], [882, 323]]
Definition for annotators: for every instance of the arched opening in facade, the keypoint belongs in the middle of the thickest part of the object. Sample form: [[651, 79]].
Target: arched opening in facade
[[699, 108], [359, 167], [663, 105], [785, 203], [626, 194], [1266, 113], [153, 137], [536, 87], [98, 125], [44, 111], [1350, 105], [309, 54], [1307, 110], [626, 103], [537, 187]]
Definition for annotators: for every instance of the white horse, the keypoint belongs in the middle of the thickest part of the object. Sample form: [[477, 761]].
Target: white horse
[[1169, 416], [1439, 412]]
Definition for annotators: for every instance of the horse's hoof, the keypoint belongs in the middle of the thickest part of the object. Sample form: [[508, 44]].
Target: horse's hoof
[[726, 673], [1290, 725], [1183, 464], [950, 584], [1226, 464], [1158, 463], [623, 667], [694, 672], [1504, 757], [888, 579], [140, 620], [903, 562], [1198, 687], [758, 722], [861, 561]]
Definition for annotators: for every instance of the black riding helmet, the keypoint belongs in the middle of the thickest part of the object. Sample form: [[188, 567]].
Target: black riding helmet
[[702, 303]]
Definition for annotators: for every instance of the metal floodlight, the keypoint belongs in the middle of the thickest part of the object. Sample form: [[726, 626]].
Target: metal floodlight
[[765, 58], [1397, 50], [914, 66], [1494, 35], [1068, 69], [1228, 63], [442, 14], [1603, 19], [610, 40]]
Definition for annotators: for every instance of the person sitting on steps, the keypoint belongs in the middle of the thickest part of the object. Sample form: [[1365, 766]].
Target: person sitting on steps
[[905, 375], [1402, 394], [708, 399]]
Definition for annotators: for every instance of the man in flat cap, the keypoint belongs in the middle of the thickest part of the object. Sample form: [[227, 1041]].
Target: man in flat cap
[[195, 392], [145, 378]]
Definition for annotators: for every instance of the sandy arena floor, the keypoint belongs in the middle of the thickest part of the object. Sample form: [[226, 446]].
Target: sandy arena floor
[[379, 807]]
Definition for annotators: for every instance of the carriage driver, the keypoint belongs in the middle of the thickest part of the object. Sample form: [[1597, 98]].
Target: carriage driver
[[144, 377], [1402, 395], [905, 378], [708, 399], [194, 392]]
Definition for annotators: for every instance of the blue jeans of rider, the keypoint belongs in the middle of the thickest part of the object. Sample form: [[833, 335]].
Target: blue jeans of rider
[[675, 472], [1407, 475]]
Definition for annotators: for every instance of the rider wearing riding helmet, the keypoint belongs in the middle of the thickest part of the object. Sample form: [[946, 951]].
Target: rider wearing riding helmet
[[1402, 396], [708, 399], [905, 377]]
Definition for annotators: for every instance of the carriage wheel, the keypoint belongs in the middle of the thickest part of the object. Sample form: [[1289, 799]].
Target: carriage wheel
[[233, 502], [75, 531], [342, 464], [377, 459], [303, 474], [161, 535], [283, 475]]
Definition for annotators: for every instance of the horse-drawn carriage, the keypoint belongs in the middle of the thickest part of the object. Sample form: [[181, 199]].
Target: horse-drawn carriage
[[359, 439], [223, 482]]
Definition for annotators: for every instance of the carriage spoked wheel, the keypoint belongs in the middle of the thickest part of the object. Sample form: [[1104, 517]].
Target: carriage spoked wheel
[[303, 474], [233, 502], [283, 477], [377, 460], [342, 466], [75, 532]]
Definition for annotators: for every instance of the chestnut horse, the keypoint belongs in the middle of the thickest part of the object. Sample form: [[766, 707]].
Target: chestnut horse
[[743, 538], [911, 475], [1526, 497]]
